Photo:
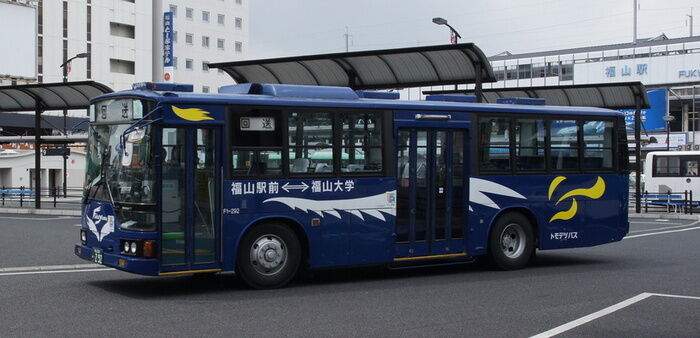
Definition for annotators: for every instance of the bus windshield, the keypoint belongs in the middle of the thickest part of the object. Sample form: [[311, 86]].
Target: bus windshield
[[119, 173]]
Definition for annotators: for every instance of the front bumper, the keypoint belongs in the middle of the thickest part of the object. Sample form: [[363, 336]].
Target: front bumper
[[140, 266]]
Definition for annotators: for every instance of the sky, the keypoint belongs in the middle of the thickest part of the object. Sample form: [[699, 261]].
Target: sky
[[303, 27]]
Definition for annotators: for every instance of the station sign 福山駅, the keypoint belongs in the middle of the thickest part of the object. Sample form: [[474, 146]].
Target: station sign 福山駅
[[656, 69], [652, 118]]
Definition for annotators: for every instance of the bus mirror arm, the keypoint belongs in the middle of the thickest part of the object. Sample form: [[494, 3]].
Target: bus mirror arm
[[138, 124]]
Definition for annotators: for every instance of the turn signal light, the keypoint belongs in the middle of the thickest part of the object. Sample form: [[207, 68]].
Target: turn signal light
[[149, 249]]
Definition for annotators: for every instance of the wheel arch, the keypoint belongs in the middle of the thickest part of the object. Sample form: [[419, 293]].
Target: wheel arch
[[523, 211]]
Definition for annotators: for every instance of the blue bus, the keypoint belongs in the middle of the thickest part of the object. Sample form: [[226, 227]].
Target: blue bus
[[265, 180]]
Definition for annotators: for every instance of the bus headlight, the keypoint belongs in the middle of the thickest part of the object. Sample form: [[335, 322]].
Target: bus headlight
[[133, 248], [83, 236], [126, 247]]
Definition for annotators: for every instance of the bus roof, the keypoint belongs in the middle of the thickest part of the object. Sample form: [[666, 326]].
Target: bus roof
[[315, 98]]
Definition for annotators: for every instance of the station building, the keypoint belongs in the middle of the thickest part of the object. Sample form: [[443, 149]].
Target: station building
[[668, 68]]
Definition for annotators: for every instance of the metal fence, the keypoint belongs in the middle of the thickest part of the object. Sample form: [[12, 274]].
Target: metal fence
[[55, 197], [667, 201]]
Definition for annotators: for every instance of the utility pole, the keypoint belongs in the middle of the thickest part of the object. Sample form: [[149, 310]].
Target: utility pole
[[347, 39], [634, 30], [690, 17]]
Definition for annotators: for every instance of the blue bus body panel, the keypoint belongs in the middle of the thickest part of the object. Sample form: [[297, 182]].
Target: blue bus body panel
[[599, 215], [102, 229], [346, 221]]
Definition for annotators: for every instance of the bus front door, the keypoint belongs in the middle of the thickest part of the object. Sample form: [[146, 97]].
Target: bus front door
[[431, 193], [190, 193]]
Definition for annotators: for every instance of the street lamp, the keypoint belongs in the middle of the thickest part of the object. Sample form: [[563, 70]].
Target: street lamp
[[454, 36], [668, 119], [65, 116]]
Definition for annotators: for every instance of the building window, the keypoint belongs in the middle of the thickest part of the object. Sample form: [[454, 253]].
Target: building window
[[173, 9], [205, 41], [174, 36], [205, 89], [189, 63], [121, 66], [205, 66], [189, 38], [175, 62], [189, 12], [220, 43], [239, 47], [221, 19], [205, 16], [122, 30], [239, 2], [239, 23]]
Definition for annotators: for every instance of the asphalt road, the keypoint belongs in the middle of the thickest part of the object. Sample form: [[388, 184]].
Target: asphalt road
[[557, 292]]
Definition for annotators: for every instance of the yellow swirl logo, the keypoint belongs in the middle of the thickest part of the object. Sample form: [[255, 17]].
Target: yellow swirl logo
[[594, 192], [192, 114]]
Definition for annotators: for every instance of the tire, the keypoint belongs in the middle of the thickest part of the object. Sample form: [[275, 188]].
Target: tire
[[268, 256], [511, 242]]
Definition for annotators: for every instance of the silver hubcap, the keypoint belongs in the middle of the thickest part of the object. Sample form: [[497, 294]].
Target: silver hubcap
[[268, 255], [513, 240]]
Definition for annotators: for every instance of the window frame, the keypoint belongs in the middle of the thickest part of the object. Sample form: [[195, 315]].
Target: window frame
[[548, 118], [386, 116]]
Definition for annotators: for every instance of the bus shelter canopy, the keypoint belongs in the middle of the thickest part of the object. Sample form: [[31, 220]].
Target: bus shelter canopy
[[623, 95], [50, 96], [378, 69]]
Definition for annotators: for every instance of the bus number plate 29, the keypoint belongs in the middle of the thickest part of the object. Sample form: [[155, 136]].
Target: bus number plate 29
[[97, 255]]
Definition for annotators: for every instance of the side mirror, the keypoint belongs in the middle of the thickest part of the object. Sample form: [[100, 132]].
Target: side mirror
[[136, 135]]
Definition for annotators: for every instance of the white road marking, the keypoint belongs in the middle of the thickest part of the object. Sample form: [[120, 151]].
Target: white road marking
[[39, 218], [51, 267], [54, 271], [644, 230], [661, 232], [606, 311]]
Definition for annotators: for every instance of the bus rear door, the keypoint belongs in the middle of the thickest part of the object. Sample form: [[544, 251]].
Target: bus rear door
[[432, 189]]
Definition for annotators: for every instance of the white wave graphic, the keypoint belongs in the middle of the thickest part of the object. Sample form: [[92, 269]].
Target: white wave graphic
[[372, 205], [478, 186]]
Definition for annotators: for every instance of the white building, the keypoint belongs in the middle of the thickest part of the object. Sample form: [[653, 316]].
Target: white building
[[17, 170], [124, 40], [204, 32]]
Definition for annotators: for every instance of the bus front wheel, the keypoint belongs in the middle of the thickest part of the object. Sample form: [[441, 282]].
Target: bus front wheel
[[511, 242], [268, 256]]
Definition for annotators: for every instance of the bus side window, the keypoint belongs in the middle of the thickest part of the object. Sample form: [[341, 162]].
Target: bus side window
[[310, 143], [598, 145], [494, 145]]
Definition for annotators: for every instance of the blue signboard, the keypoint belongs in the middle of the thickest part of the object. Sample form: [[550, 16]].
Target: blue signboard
[[168, 39], [652, 118]]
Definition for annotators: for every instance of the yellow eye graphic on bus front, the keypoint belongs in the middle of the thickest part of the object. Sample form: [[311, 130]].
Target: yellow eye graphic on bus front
[[192, 114], [594, 192]]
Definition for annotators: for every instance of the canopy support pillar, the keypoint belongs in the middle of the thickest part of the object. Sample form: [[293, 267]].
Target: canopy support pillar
[[37, 154]]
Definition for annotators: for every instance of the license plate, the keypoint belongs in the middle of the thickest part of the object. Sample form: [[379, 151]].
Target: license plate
[[97, 255]]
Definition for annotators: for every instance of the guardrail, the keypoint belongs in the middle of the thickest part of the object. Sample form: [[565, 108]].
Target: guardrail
[[19, 196], [677, 202]]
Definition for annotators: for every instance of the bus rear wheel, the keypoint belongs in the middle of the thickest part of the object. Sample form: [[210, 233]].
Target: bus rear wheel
[[268, 256], [511, 242]]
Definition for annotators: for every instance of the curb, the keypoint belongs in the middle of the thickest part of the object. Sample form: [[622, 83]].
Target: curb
[[664, 216], [31, 211]]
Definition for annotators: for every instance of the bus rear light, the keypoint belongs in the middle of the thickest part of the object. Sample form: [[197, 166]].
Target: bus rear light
[[149, 249]]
